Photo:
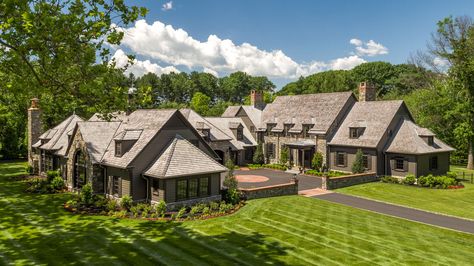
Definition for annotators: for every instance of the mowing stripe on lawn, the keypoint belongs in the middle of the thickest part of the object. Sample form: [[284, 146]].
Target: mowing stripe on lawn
[[293, 247], [329, 240], [329, 245], [376, 241]]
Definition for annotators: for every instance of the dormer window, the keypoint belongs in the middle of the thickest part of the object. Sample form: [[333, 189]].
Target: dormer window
[[118, 149], [240, 133], [306, 128], [430, 140], [286, 129], [355, 132]]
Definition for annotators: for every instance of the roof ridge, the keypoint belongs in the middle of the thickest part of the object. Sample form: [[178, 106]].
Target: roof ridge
[[111, 139], [170, 156], [70, 118]]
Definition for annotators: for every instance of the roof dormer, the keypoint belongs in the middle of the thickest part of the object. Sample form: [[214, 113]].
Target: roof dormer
[[426, 135], [125, 140]]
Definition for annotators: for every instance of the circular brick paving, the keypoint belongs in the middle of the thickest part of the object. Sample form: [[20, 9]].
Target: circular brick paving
[[251, 178]]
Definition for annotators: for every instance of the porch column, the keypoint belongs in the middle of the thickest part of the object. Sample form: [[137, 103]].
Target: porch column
[[302, 158]]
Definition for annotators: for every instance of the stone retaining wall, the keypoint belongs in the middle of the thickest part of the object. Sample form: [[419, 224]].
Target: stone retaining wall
[[348, 180], [270, 191]]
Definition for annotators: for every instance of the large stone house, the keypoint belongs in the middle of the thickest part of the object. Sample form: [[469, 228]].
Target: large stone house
[[149, 155], [338, 125]]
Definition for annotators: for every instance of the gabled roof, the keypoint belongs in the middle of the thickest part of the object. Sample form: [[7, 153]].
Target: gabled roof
[[97, 136], [254, 114], [57, 136], [181, 158], [319, 109], [114, 117], [150, 122], [225, 124], [374, 116], [198, 121], [407, 140]]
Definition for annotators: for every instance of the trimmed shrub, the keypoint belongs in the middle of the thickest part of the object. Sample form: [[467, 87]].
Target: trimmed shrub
[[230, 181], [57, 184], [160, 208], [409, 180], [126, 202], [50, 175], [390, 179], [284, 155], [111, 205], [86, 195], [317, 161], [29, 169], [214, 206], [254, 166], [358, 165]]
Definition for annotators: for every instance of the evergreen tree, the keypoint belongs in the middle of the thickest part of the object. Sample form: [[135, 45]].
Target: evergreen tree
[[258, 157], [284, 155], [358, 165], [317, 162]]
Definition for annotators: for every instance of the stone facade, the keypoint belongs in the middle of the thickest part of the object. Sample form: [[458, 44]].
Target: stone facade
[[270, 191], [34, 132], [367, 92], [78, 144]]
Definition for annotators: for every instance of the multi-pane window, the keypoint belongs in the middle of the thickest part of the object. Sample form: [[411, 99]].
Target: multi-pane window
[[181, 189], [192, 188], [118, 148], [400, 164], [434, 163], [306, 129], [354, 133], [248, 154], [341, 159], [365, 161], [115, 186], [270, 150], [204, 186], [79, 169], [430, 140], [240, 133]]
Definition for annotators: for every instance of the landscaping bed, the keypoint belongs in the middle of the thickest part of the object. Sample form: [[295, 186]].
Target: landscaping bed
[[448, 181], [328, 173], [269, 166]]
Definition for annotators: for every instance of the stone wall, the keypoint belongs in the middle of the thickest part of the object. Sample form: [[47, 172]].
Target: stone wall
[[77, 144], [348, 180], [192, 202], [270, 191], [33, 131]]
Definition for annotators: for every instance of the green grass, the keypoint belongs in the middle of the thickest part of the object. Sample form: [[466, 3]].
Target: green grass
[[456, 202], [460, 170], [34, 229]]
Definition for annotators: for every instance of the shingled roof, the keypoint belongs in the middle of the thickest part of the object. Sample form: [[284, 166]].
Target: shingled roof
[[198, 121], [150, 122], [409, 141], [319, 109], [181, 158], [57, 136], [226, 123], [97, 136], [254, 114], [373, 116]]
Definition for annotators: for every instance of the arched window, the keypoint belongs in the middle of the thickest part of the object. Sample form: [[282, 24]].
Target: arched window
[[79, 169]]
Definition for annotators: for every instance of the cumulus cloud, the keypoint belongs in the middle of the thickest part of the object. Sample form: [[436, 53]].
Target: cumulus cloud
[[140, 68], [167, 6], [370, 48], [172, 46]]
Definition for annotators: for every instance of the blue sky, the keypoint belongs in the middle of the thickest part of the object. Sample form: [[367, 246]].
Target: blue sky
[[284, 39]]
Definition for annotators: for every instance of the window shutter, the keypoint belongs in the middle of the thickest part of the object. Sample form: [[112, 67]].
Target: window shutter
[[334, 159], [369, 162], [392, 164], [345, 159], [120, 187], [405, 165]]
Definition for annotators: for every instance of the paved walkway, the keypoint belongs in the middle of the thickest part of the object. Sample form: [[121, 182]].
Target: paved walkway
[[276, 177], [402, 212]]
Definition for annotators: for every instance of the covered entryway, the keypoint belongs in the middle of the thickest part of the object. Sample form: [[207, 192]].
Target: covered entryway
[[301, 153]]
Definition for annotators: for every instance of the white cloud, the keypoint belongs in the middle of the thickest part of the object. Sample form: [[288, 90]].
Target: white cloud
[[210, 71], [356, 42], [222, 56], [140, 68], [167, 6], [440, 62], [370, 48]]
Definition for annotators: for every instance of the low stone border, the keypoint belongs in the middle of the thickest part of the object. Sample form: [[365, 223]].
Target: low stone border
[[270, 191], [348, 180]]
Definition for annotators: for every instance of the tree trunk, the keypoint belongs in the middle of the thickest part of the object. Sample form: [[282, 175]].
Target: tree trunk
[[470, 157]]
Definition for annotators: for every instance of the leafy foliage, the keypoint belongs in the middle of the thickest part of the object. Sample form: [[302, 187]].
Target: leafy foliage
[[284, 155], [258, 156], [317, 161]]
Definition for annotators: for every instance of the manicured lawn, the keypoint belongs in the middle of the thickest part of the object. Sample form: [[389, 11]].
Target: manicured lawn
[[457, 202], [34, 229], [460, 169]]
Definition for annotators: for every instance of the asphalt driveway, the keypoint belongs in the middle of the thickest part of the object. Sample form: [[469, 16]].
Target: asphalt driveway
[[276, 177]]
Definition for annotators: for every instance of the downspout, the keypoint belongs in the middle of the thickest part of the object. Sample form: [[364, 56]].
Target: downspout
[[147, 186]]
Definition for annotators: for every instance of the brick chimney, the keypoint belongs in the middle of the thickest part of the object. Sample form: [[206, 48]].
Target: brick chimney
[[367, 92], [34, 132], [256, 99]]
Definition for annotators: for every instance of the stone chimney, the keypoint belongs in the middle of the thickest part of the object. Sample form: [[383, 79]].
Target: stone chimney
[[34, 132], [256, 99], [367, 92]]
